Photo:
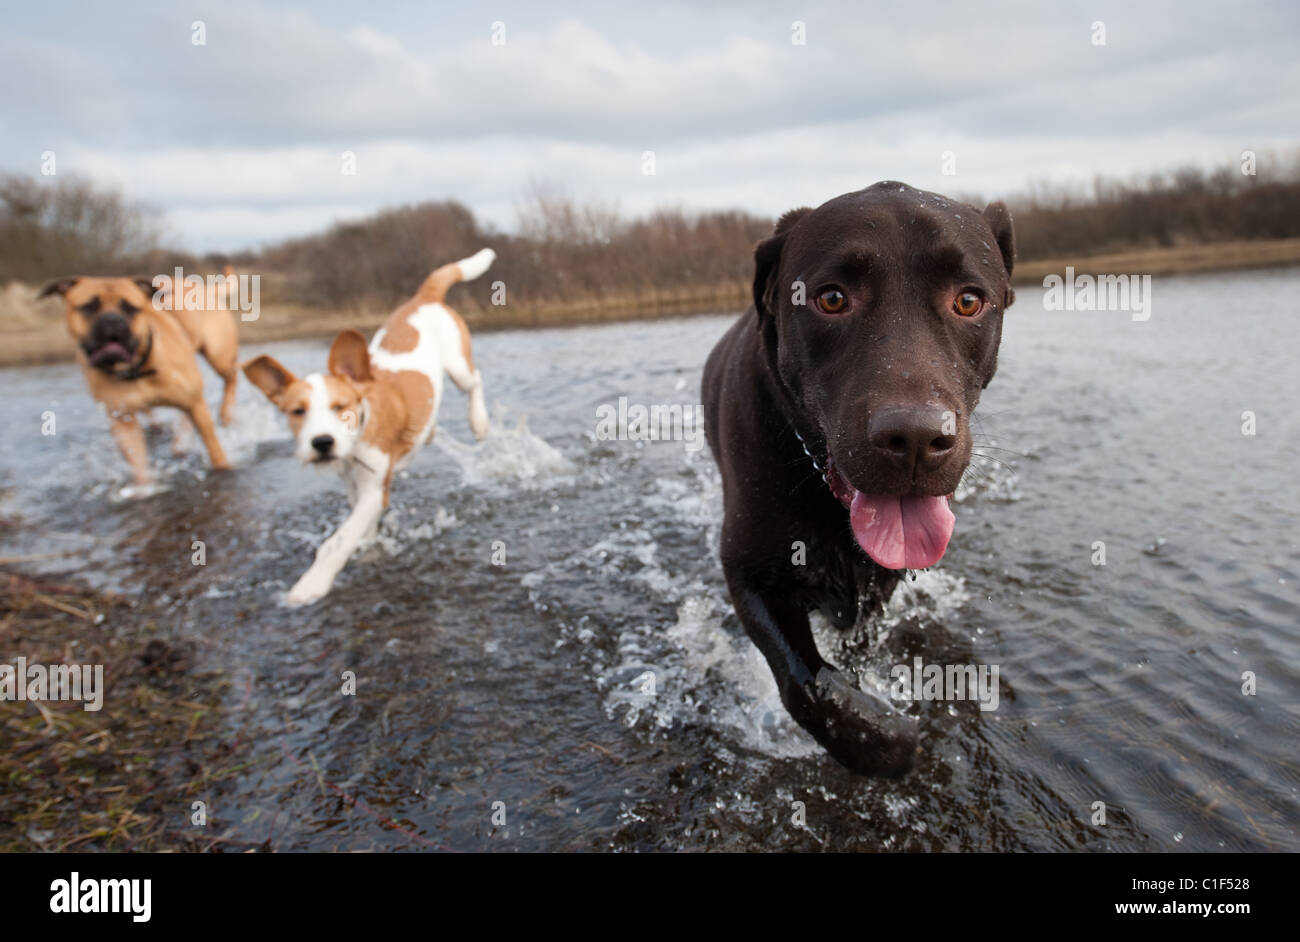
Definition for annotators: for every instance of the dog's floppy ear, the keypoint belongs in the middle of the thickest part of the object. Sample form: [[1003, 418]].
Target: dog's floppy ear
[[59, 286], [767, 258], [349, 357], [268, 375], [999, 219], [146, 285]]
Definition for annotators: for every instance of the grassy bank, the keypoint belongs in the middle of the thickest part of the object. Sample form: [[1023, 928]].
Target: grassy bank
[[1180, 260], [121, 778], [32, 332]]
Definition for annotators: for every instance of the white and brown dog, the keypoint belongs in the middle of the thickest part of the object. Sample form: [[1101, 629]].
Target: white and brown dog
[[370, 413]]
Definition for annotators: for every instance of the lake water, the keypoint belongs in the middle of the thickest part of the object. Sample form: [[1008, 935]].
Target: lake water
[[525, 684]]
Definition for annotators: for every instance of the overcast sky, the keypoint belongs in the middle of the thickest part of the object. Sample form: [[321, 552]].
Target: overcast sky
[[239, 141]]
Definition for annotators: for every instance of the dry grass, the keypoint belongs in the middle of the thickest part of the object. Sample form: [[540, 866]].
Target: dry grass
[[32, 332], [1180, 260], [122, 778]]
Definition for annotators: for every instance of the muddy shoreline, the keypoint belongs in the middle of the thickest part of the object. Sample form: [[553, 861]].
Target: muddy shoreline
[[122, 777]]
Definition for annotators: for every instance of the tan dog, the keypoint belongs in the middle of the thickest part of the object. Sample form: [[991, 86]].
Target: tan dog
[[136, 356], [376, 406]]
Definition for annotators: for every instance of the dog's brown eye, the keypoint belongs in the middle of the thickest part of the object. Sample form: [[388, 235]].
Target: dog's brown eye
[[299, 411], [832, 301], [967, 304]]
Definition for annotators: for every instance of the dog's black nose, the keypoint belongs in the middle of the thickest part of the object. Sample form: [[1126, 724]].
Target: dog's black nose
[[111, 325], [917, 440], [323, 444]]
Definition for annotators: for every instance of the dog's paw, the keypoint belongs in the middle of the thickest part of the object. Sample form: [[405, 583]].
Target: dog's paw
[[139, 489], [862, 731], [307, 590]]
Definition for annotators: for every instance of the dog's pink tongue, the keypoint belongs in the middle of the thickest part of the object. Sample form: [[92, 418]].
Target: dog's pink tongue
[[109, 351], [902, 532]]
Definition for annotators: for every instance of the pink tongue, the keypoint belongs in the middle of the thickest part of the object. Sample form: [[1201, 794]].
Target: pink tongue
[[110, 349], [902, 532]]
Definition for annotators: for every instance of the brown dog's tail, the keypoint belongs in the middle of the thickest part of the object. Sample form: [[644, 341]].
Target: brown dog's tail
[[436, 285]]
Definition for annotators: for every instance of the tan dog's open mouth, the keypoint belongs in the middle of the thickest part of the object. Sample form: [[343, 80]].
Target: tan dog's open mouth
[[109, 354]]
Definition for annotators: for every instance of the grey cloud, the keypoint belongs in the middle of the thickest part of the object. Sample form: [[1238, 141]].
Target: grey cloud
[[250, 126]]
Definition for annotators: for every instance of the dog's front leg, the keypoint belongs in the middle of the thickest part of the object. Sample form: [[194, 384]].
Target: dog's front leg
[[356, 481], [129, 434], [862, 731], [335, 551]]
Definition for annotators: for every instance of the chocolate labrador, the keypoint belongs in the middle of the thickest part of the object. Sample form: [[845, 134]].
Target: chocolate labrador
[[838, 410]]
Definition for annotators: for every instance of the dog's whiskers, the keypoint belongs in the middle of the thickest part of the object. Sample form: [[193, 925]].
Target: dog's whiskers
[[1006, 464], [1009, 451]]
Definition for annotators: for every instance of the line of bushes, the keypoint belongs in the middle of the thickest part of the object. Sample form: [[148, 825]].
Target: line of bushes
[[565, 252]]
